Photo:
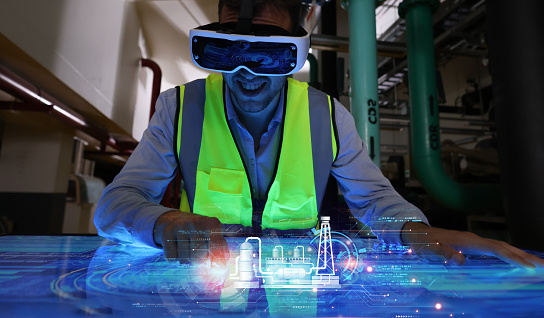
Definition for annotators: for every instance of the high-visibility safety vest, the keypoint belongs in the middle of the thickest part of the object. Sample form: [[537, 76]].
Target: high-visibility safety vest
[[215, 180]]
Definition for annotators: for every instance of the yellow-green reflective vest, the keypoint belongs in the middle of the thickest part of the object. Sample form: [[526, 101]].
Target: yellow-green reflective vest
[[215, 180]]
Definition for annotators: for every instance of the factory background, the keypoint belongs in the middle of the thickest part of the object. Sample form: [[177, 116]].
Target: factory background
[[77, 80]]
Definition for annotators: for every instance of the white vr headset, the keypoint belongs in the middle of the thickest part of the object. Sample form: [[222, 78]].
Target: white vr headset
[[267, 50]]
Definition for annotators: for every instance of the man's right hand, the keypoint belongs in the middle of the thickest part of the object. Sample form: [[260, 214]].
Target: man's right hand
[[191, 237]]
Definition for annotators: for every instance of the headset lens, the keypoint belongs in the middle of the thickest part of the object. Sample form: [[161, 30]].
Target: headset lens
[[224, 55]]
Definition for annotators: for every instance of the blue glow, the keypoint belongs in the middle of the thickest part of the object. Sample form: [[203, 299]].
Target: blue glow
[[70, 276]]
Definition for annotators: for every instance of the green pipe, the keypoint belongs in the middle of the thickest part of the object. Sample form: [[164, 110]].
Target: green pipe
[[314, 70], [364, 73], [425, 128]]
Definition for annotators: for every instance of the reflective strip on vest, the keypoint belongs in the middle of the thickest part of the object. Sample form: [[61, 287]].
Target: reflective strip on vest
[[216, 181], [184, 202], [222, 187], [291, 202]]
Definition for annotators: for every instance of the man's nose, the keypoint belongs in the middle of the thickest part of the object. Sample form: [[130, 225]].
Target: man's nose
[[246, 74]]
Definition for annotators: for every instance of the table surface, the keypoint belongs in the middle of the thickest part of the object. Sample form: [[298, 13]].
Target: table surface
[[81, 276]]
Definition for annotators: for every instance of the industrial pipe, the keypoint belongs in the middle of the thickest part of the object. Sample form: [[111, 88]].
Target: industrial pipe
[[36, 100], [328, 59], [156, 88], [425, 129], [364, 73], [384, 48], [314, 70]]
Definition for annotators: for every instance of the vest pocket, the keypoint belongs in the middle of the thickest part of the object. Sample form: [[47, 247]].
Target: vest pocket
[[226, 180], [286, 216], [219, 194]]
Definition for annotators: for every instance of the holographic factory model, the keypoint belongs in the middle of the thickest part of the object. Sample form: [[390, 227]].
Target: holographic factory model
[[280, 271]]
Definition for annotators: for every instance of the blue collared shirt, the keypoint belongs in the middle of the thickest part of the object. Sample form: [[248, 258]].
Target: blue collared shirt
[[260, 164], [129, 207]]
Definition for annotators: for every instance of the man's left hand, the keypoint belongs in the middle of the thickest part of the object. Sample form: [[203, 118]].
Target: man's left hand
[[434, 244]]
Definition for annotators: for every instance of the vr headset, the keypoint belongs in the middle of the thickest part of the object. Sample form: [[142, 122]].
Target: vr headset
[[261, 49]]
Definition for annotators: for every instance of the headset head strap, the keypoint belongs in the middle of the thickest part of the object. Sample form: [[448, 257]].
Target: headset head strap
[[245, 18]]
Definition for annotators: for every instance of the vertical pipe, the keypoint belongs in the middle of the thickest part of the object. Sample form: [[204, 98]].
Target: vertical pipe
[[329, 86], [425, 129], [364, 74], [314, 70], [156, 88], [516, 63], [328, 58], [78, 155]]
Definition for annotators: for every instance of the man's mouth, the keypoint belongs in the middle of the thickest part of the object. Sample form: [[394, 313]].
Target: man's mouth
[[251, 88]]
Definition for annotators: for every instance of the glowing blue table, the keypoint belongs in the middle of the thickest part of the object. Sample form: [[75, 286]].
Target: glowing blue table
[[81, 276]]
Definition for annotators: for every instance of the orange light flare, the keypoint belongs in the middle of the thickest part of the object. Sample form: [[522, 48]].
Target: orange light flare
[[349, 263]]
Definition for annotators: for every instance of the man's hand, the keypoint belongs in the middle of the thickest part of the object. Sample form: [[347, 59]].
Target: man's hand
[[190, 237], [434, 243]]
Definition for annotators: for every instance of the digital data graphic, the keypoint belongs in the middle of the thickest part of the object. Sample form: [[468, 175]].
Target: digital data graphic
[[328, 273]]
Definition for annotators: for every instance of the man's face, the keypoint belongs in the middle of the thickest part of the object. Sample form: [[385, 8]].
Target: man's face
[[250, 92]]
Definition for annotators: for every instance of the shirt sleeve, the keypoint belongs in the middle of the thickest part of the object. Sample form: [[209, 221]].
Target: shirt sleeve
[[369, 195], [129, 206]]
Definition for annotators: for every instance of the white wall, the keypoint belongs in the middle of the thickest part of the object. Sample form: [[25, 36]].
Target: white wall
[[92, 46], [36, 160], [166, 27]]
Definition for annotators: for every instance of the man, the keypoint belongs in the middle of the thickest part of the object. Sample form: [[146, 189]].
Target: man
[[255, 150]]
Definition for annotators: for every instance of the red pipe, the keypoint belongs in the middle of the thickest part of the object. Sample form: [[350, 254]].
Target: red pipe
[[156, 88], [36, 100]]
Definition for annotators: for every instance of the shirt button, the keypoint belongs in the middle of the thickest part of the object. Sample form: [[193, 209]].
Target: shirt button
[[252, 162]]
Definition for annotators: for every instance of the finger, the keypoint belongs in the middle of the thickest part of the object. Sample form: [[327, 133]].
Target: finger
[[535, 260], [221, 250], [510, 254], [435, 252], [169, 245], [474, 244], [183, 246], [199, 248]]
